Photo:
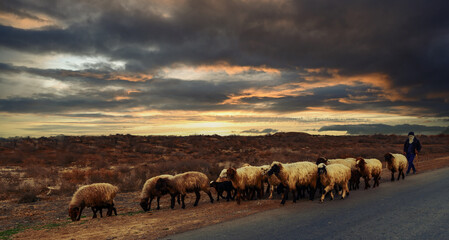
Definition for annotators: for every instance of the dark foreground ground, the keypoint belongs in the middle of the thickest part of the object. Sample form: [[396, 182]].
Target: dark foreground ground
[[416, 208]]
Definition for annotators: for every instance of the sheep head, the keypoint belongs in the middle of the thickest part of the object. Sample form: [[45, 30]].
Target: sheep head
[[144, 204], [73, 213], [321, 160], [322, 168], [388, 157], [213, 184], [231, 172], [361, 163], [275, 169]]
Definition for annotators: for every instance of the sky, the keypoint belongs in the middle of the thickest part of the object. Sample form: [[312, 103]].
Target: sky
[[229, 67]]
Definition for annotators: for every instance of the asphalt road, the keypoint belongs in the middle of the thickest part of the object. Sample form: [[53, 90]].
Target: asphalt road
[[417, 208]]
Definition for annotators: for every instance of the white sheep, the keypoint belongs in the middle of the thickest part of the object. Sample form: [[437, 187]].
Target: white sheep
[[334, 174], [369, 168], [96, 196], [222, 177], [296, 175], [246, 178], [396, 162], [349, 162], [149, 191], [184, 183]]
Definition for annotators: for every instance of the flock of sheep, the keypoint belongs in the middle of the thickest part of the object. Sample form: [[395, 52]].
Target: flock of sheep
[[326, 175]]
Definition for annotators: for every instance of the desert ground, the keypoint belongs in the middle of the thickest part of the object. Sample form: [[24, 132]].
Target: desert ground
[[40, 175]]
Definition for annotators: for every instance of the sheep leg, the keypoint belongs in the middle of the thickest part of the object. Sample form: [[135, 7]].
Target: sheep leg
[[271, 192], [172, 204], [366, 182], [218, 196], [259, 192], [183, 205], [312, 193], [238, 196], [149, 203], [198, 195], [294, 195], [252, 194], [158, 198], [345, 190], [110, 209], [269, 187], [399, 173], [228, 196], [285, 196], [94, 210], [392, 176], [81, 211], [377, 180], [403, 175], [326, 190], [210, 195], [235, 193]]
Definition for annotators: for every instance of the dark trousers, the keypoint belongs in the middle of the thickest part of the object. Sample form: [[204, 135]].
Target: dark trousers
[[410, 158]]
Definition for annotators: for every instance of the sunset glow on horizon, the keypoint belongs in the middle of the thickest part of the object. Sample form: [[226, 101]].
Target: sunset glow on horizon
[[221, 67]]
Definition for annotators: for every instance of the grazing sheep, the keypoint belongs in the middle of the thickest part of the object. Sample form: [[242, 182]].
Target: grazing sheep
[[184, 183], [334, 174], [369, 168], [294, 176], [223, 186], [149, 191], [97, 195], [396, 162], [246, 178]]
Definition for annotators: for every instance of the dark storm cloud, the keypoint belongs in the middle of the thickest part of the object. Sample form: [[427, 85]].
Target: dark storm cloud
[[368, 129], [90, 91], [408, 41]]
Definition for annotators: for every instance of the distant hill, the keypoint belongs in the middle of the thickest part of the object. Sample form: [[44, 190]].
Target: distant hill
[[369, 129], [446, 131]]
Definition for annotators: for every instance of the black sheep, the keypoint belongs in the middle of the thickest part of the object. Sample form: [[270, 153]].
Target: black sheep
[[223, 186]]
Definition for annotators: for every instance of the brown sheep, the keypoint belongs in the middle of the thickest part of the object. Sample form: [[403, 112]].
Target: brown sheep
[[396, 162], [149, 191], [246, 178], [296, 175], [369, 168], [97, 196], [184, 183]]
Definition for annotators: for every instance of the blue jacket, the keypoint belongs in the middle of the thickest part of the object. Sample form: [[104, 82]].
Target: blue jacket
[[416, 145]]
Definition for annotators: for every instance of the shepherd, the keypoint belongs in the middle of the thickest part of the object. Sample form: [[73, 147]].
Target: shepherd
[[412, 147]]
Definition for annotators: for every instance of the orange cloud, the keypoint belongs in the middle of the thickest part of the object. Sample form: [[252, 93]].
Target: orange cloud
[[138, 77], [40, 20], [284, 90], [234, 69], [126, 94]]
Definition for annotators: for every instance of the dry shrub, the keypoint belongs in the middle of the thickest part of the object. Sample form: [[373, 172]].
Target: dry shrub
[[28, 192], [74, 176], [134, 179], [102, 175], [65, 159], [67, 188]]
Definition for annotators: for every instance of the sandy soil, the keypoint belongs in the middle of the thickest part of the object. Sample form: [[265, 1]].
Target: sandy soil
[[50, 220]]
